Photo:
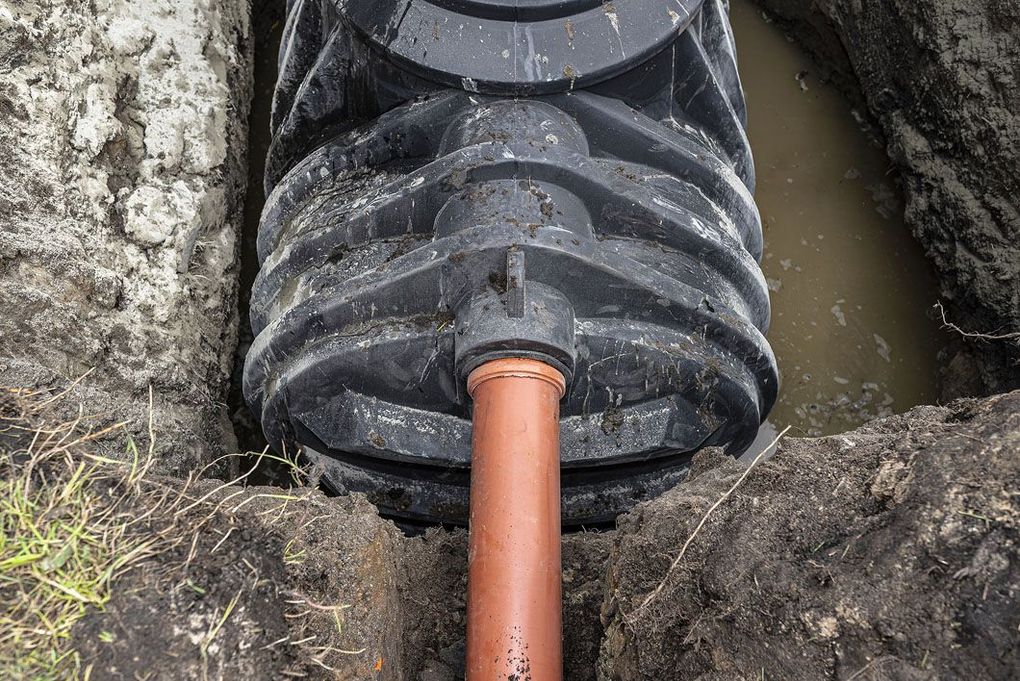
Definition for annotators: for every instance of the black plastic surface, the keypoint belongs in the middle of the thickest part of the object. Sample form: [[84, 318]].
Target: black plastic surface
[[605, 226]]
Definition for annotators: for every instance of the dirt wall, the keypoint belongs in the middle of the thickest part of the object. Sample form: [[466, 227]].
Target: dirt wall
[[888, 552], [942, 80], [257, 585], [122, 156]]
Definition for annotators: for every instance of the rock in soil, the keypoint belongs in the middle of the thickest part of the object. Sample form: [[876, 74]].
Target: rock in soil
[[122, 148], [942, 79], [889, 552]]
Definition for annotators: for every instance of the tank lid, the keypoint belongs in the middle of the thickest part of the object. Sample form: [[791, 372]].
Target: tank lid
[[519, 46]]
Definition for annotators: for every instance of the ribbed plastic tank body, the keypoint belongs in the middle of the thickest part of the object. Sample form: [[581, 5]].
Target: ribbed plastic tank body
[[453, 182]]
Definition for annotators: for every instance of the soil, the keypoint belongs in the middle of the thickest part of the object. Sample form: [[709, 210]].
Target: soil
[[267, 577], [267, 22], [122, 130], [268, 586], [889, 552], [941, 81], [434, 583]]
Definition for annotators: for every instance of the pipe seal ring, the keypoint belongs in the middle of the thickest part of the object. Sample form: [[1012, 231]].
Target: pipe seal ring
[[515, 367]]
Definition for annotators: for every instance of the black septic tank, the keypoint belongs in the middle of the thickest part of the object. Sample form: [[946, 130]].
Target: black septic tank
[[455, 181]]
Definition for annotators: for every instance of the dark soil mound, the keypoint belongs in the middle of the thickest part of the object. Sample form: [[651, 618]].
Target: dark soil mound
[[890, 552], [269, 584]]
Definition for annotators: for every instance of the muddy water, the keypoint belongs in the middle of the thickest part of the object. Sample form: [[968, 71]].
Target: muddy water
[[850, 287]]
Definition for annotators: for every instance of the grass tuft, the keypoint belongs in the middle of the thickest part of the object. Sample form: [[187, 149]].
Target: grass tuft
[[73, 521], [65, 533]]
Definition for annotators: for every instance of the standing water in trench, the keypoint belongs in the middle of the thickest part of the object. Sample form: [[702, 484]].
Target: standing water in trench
[[850, 287]]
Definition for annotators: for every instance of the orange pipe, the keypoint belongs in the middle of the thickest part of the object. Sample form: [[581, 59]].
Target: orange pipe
[[514, 626]]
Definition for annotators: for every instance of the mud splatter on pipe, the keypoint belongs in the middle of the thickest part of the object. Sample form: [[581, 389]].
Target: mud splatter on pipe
[[513, 607]]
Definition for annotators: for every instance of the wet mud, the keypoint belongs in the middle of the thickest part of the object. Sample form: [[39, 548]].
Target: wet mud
[[267, 27]]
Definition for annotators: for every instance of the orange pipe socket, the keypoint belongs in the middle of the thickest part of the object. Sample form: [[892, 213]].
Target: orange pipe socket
[[513, 608]]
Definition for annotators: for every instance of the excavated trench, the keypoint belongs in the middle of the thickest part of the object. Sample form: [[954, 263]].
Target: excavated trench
[[853, 327], [889, 549]]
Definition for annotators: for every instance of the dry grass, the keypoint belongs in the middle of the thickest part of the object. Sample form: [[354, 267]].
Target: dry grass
[[72, 522], [67, 518]]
